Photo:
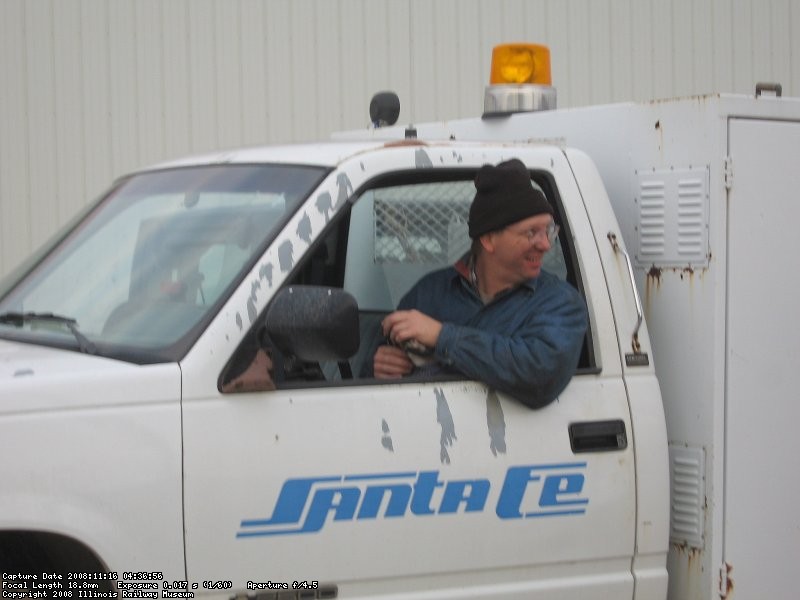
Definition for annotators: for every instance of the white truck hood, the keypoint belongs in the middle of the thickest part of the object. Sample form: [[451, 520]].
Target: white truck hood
[[37, 378]]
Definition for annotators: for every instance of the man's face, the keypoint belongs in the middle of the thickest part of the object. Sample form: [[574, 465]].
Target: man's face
[[520, 248]]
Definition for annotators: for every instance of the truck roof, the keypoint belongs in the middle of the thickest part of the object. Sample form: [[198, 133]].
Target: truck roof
[[324, 154], [333, 153]]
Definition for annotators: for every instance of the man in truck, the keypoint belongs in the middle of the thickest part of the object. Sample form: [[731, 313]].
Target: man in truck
[[494, 316]]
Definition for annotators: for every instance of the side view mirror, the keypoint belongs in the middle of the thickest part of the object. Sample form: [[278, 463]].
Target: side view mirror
[[314, 323]]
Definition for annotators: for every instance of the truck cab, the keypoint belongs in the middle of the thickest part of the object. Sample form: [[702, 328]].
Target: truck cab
[[187, 370]]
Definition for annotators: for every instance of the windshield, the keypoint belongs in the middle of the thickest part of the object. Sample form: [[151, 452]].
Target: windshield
[[142, 275]]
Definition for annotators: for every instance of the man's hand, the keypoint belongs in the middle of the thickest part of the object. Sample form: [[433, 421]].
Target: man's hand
[[403, 325], [391, 363]]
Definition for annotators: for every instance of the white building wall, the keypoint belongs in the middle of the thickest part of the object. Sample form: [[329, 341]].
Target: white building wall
[[91, 89]]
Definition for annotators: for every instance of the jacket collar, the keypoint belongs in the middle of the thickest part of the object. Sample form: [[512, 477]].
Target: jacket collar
[[465, 269]]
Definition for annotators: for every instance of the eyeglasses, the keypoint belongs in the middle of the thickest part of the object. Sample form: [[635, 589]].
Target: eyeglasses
[[549, 233]]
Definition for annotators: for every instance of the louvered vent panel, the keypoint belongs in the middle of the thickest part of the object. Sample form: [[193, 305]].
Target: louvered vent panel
[[687, 494], [651, 218], [691, 216], [672, 225]]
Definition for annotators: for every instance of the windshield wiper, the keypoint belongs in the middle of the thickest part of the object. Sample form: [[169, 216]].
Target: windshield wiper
[[18, 319]]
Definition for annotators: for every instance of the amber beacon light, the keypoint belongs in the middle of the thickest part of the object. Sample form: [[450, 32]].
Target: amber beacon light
[[519, 81], [520, 63]]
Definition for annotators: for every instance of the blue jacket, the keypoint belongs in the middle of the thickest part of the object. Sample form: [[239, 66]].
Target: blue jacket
[[525, 342]]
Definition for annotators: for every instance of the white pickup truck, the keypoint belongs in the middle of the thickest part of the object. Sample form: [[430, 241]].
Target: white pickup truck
[[183, 411]]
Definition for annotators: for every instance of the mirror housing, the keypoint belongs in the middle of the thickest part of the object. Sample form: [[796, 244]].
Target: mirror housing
[[314, 323]]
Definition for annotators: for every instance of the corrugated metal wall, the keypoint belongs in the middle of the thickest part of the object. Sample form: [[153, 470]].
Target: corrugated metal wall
[[91, 89]]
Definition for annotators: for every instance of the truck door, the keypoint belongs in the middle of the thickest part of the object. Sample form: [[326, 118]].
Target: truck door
[[760, 391], [429, 486]]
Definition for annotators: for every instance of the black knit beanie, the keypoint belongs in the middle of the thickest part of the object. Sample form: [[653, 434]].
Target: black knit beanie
[[504, 196]]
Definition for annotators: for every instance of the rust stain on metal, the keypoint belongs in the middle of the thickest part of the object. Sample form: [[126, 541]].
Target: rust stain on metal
[[688, 273], [691, 558], [685, 548], [654, 274], [653, 279], [694, 556], [696, 98], [660, 133], [407, 142], [728, 579]]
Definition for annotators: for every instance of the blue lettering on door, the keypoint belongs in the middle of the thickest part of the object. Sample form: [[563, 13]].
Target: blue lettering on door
[[306, 505]]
